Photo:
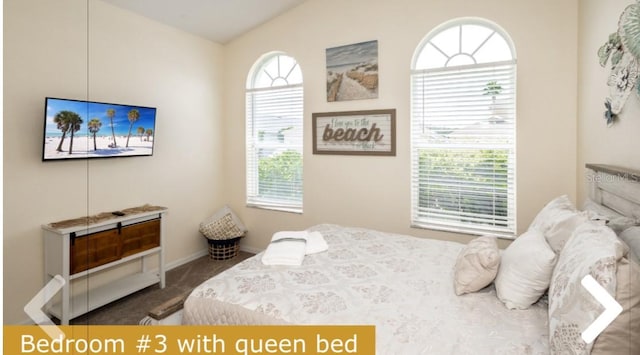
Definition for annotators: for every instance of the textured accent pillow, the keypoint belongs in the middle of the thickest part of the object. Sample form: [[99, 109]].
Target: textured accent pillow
[[593, 249], [557, 221], [525, 270], [562, 229], [477, 265], [631, 236], [621, 336], [223, 225]]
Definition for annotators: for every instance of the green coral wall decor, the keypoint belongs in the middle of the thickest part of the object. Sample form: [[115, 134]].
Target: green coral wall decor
[[622, 50]]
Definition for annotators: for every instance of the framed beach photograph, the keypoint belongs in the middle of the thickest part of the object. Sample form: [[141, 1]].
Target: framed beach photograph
[[371, 132], [352, 72]]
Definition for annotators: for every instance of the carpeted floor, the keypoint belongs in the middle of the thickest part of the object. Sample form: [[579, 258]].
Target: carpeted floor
[[180, 281]]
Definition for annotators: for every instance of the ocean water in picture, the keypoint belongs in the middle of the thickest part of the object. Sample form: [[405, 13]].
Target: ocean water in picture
[[82, 129]]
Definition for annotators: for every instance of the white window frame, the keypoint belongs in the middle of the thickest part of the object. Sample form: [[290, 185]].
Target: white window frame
[[274, 124], [458, 106]]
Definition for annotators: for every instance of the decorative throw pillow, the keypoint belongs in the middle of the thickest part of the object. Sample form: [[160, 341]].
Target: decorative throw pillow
[[557, 221], [223, 225], [631, 236], [621, 336], [562, 229], [476, 265], [525, 270], [593, 249]]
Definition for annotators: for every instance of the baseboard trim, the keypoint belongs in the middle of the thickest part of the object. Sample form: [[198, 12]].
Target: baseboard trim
[[174, 264], [251, 250]]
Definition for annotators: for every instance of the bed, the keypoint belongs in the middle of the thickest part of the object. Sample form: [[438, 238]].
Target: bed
[[404, 286]]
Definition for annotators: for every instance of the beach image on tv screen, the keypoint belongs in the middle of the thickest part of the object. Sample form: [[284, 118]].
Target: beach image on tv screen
[[81, 129]]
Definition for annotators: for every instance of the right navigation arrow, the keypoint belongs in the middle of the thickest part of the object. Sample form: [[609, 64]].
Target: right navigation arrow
[[611, 309]]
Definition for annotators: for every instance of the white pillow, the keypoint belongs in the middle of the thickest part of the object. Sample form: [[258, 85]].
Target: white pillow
[[557, 221], [477, 265], [525, 270], [560, 204]]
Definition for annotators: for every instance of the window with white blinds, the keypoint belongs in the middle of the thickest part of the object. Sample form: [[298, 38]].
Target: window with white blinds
[[463, 92], [274, 134]]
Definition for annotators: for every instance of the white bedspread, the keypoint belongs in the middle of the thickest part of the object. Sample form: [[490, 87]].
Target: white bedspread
[[401, 284]]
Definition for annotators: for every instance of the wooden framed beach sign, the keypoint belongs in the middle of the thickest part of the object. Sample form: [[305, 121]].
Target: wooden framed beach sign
[[352, 72], [371, 132]]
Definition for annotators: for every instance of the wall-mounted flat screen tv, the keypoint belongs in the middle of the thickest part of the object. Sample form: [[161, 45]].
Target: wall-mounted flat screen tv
[[76, 129]]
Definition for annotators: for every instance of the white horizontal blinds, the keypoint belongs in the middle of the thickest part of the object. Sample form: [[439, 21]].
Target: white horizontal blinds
[[274, 145], [463, 148]]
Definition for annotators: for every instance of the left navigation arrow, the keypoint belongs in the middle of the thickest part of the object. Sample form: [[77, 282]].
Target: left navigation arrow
[[34, 307]]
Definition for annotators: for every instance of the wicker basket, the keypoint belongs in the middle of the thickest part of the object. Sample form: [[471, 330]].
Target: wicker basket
[[223, 249]]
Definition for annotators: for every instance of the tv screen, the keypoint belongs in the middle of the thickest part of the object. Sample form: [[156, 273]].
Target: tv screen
[[76, 129]]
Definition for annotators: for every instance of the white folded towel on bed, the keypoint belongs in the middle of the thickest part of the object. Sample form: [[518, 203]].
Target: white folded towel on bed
[[290, 247], [316, 243], [286, 248]]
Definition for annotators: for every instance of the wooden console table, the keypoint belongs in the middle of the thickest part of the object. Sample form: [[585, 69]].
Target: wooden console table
[[76, 249]]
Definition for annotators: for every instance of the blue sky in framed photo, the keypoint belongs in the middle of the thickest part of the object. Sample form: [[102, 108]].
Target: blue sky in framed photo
[[90, 110], [352, 71]]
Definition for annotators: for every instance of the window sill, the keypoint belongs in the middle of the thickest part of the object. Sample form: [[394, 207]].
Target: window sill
[[276, 208], [474, 232]]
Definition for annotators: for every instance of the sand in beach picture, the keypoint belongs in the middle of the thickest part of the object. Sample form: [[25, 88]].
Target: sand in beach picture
[[82, 129], [352, 72]]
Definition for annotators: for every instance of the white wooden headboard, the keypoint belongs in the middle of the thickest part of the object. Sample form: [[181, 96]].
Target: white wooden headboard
[[615, 187]]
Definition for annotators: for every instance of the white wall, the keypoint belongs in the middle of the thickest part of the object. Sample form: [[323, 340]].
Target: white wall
[[619, 144], [375, 191], [129, 59]]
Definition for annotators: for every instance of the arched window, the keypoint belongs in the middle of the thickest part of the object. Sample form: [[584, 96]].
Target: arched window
[[463, 92], [274, 135]]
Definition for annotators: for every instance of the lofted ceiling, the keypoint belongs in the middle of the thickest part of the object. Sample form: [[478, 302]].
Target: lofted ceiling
[[218, 20]]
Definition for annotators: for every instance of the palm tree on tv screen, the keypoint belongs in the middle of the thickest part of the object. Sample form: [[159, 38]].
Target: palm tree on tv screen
[[111, 113], [148, 133], [61, 119], [75, 122], [94, 126], [133, 116], [140, 132]]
